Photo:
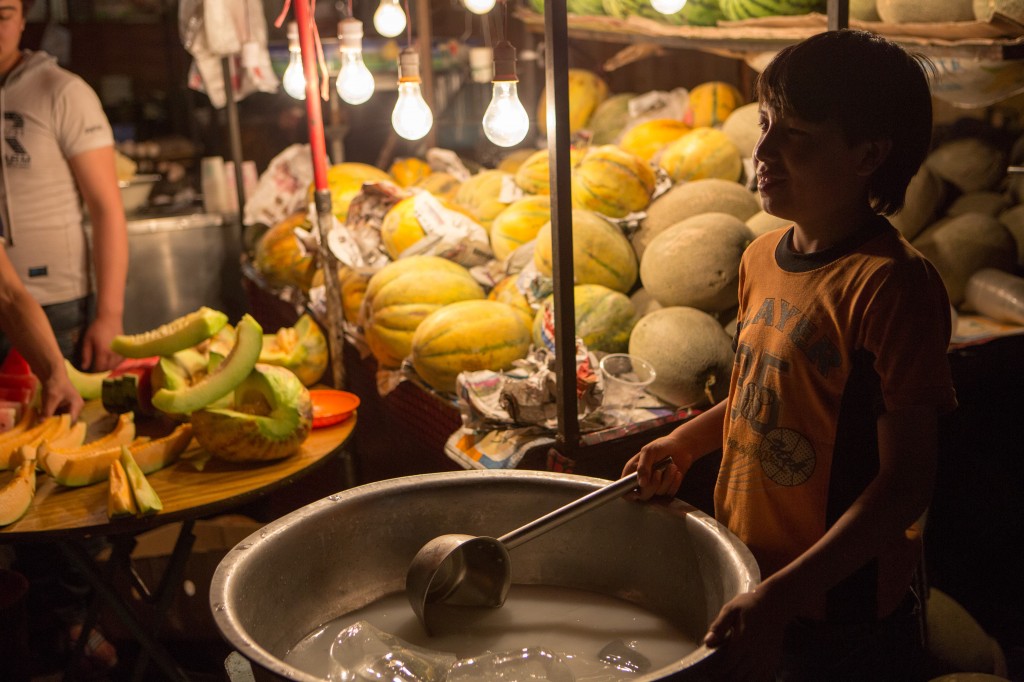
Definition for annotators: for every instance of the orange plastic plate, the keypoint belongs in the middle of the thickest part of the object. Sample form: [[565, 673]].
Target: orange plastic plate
[[331, 406]]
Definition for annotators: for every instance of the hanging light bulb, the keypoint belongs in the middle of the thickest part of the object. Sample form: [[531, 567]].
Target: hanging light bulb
[[355, 82], [505, 121], [294, 79], [389, 19], [479, 6], [668, 6], [411, 118]]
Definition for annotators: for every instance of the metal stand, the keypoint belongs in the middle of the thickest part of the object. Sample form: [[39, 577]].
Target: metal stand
[[161, 597]]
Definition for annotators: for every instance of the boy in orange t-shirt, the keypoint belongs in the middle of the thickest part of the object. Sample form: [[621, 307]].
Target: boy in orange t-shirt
[[829, 433]]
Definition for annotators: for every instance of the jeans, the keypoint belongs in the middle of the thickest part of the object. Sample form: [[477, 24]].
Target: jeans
[[69, 321]]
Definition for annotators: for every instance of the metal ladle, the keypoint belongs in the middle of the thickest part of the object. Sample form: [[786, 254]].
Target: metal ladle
[[471, 570]]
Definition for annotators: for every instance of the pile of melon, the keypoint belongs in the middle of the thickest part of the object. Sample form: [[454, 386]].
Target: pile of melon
[[661, 214], [239, 393]]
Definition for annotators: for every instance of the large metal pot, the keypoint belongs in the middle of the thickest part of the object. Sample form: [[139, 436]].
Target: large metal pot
[[349, 549]]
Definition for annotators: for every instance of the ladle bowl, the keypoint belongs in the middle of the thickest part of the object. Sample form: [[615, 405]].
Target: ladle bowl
[[466, 570]]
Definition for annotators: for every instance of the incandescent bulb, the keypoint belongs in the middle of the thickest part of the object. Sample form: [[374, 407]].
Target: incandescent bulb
[[479, 6], [355, 82], [389, 19], [668, 6], [294, 79], [506, 121], [411, 118]]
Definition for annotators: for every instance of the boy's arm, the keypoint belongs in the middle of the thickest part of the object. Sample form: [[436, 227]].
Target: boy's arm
[[908, 445], [687, 443], [25, 323], [96, 177]]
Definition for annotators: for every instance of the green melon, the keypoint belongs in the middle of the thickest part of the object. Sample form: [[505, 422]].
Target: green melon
[[687, 199], [603, 317], [965, 244], [969, 163], [609, 118], [696, 262], [690, 352]]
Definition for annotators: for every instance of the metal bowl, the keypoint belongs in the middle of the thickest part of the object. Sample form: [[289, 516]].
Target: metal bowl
[[135, 192], [347, 550]]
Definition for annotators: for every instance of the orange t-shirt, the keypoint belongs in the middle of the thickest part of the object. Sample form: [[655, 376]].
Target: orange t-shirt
[[825, 343]]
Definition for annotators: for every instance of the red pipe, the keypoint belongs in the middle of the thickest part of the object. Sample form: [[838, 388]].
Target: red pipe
[[314, 114]]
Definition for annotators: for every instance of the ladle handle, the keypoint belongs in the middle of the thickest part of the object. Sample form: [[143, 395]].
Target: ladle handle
[[568, 512]]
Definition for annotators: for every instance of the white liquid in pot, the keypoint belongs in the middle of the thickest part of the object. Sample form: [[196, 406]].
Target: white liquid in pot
[[575, 624]]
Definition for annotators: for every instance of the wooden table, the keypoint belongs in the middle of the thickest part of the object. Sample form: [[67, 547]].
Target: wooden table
[[68, 516]]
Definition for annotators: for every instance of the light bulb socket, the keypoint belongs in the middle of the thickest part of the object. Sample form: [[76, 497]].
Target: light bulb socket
[[293, 32], [408, 66], [350, 34], [505, 61]]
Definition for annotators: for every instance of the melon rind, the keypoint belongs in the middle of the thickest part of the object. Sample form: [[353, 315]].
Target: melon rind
[[220, 382], [179, 334]]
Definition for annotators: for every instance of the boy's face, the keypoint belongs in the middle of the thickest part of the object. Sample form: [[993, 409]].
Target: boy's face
[[807, 171], [12, 23]]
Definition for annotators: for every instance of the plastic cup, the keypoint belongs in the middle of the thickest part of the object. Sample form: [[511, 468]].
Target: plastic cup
[[626, 378]]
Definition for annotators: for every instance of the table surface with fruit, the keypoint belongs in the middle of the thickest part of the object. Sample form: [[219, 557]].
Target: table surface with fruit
[[202, 416]]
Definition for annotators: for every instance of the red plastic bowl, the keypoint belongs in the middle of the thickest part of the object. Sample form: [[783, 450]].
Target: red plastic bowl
[[331, 406]]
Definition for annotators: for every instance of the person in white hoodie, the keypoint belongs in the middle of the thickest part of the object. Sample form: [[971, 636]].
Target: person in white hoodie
[[58, 151]]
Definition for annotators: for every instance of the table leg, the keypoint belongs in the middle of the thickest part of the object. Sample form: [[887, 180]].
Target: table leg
[[81, 559], [164, 594]]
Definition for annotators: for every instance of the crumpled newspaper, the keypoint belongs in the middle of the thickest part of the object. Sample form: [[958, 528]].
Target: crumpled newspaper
[[357, 243], [282, 188], [526, 394], [211, 30]]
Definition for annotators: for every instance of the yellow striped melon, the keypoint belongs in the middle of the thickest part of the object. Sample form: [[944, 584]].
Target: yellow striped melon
[[601, 253], [480, 196], [345, 181], [648, 138], [409, 170], [612, 181], [401, 295], [702, 153], [283, 257], [467, 336], [711, 103], [507, 291], [603, 317], [442, 185], [690, 352], [534, 175], [401, 227], [511, 162], [519, 224], [586, 91]]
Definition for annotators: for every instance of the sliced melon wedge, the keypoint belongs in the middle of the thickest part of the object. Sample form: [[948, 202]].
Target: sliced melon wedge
[[120, 501], [16, 495], [51, 427], [155, 454]]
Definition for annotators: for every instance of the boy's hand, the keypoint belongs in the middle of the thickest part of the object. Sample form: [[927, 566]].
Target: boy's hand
[[749, 631], [651, 481]]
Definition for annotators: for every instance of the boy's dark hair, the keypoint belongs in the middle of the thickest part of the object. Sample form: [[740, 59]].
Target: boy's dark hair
[[872, 87], [26, 5]]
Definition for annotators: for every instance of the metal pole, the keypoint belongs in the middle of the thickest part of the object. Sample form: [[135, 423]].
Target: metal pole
[[234, 132], [838, 12], [322, 192], [556, 70]]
